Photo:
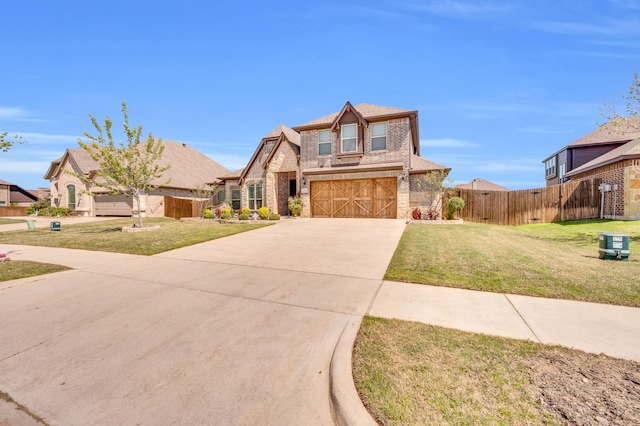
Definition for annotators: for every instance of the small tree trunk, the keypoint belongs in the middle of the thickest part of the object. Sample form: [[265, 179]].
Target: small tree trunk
[[136, 197]]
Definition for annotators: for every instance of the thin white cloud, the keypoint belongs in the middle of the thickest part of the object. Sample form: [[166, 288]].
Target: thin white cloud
[[604, 27], [48, 137], [461, 9], [446, 143], [13, 113], [510, 166], [25, 167], [543, 131]]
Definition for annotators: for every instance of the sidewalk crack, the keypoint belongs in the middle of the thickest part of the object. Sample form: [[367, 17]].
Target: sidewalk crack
[[522, 318]]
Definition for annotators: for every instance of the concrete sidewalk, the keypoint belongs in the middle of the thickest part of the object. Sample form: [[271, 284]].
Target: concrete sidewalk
[[591, 327]]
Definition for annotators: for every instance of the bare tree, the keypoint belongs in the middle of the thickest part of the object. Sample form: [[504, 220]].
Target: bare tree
[[620, 121]]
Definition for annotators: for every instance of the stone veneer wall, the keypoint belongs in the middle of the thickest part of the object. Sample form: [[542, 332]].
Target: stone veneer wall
[[632, 191], [283, 160]]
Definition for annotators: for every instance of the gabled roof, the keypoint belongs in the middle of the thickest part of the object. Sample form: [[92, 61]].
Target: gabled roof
[[421, 165], [621, 130], [346, 109], [280, 133], [368, 113], [627, 151], [189, 169], [79, 157], [481, 184], [233, 175], [18, 194]]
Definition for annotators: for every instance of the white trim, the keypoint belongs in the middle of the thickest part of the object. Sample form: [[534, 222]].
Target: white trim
[[371, 137], [342, 138]]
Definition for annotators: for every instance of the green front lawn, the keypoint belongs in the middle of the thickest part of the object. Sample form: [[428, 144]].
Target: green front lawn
[[558, 260], [108, 235]]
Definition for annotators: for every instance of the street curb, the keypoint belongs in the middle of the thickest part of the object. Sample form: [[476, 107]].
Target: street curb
[[346, 406]]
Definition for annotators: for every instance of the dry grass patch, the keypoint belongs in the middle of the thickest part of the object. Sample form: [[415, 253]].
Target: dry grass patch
[[409, 373], [550, 260], [15, 269], [5, 221]]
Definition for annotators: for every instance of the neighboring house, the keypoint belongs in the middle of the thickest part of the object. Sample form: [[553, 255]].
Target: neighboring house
[[599, 142], [612, 154], [12, 194], [189, 173], [482, 185], [362, 161]]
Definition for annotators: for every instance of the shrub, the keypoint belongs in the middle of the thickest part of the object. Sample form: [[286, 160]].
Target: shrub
[[245, 210], [454, 205], [243, 216], [416, 214], [295, 205], [208, 214], [225, 214], [432, 214], [263, 213], [38, 206], [218, 212], [274, 216]]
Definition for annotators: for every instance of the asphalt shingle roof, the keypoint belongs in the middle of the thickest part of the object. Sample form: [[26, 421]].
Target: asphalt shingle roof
[[628, 150]]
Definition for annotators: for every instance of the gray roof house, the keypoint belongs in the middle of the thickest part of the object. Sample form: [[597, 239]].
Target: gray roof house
[[189, 171]]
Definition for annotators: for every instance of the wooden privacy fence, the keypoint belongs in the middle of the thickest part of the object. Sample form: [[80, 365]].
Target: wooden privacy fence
[[178, 208], [569, 201], [6, 211]]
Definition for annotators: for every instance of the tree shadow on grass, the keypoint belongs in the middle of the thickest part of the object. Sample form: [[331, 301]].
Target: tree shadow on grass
[[103, 231]]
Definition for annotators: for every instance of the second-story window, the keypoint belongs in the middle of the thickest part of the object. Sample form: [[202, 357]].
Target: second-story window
[[550, 167], [378, 137], [349, 138], [324, 142]]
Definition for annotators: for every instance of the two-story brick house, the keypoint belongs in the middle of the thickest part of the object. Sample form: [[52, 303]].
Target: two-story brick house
[[362, 161], [610, 154]]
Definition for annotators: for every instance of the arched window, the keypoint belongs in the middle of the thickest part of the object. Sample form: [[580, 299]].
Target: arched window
[[71, 197]]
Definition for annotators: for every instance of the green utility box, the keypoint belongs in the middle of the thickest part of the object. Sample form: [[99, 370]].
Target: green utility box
[[55, 226], [30, 224], [614, 246]]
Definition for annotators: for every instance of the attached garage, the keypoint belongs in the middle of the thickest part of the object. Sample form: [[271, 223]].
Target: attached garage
[[358, 198], [113, 205]]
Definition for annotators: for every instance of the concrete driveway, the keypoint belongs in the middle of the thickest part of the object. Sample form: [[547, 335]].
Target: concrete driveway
[[234, 331]]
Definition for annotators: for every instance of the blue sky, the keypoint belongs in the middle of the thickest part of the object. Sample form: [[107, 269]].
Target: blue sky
[[499, 85]]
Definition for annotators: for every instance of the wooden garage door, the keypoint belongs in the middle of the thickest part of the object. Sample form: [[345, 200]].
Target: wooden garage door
[[113, 205], [354, 198]]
